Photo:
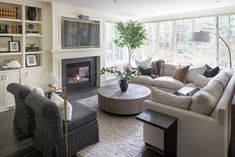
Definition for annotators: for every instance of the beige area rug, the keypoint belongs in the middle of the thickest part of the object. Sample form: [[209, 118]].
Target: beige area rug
[[119, 136]]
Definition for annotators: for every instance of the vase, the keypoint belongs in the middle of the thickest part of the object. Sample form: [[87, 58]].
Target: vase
[[123, 84], [31, 13]]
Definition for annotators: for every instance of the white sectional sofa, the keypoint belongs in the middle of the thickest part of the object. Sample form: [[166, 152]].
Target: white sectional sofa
[[203, 119]]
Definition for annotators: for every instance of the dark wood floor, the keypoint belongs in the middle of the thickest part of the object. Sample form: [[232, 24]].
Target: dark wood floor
[[14, 144]]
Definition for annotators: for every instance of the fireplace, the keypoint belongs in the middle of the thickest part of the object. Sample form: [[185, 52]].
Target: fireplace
[[79, 73]]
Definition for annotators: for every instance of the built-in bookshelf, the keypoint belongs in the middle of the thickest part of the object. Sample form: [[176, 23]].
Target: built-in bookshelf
[[18, 25]]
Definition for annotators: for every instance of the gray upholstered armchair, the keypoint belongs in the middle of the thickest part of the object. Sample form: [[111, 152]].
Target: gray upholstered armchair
[[49, 136], [24, 115]]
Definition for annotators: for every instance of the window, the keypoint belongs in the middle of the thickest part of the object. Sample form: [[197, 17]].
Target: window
[[166, 41], [148, 50], [172, 41], [226, 30], [205, 53], [113, 55], [183, 42]]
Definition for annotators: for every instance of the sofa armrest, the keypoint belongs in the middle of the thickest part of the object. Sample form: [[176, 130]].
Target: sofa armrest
[[195, 131]]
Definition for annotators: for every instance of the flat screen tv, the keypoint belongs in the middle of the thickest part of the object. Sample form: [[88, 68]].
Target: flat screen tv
[[80, 34]]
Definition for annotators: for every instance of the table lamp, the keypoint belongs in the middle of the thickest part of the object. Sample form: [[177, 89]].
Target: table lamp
[[15, 64], [51, 79]]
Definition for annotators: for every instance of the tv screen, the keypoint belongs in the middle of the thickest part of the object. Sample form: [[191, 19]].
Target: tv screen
[[80, 34]]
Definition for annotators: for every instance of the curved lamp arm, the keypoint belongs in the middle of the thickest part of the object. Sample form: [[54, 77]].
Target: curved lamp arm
[[229, 51]]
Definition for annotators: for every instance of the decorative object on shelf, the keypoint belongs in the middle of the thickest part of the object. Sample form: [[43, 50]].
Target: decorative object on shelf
[[123, 76], [9, 13], [31, 13], [31, 60], [204, 36], [32, 48], [4, 43], [31, 31], [131, 34], [7, 61], [15, 64], [14, 46]]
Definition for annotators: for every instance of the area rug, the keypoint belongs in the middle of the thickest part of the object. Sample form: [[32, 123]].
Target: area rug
[[119, 136]]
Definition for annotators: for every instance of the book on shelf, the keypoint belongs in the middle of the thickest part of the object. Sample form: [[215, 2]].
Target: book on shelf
[[9, 13]]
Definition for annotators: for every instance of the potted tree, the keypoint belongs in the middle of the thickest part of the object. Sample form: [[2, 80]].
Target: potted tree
[[130, 34]]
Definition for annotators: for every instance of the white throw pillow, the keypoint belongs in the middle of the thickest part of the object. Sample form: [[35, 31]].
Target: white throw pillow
[[205, 100], [60, 103], [169, 69], [193, 71], [144, 63], [170, 99], [201, 80], [35, 89]]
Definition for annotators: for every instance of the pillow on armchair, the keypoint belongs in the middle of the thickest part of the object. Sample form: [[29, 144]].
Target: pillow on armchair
[[60, 103]]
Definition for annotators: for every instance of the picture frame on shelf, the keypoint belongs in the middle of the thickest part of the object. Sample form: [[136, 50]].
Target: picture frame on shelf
[[7, 61], [31, 60], [14, 46], [4, 43]]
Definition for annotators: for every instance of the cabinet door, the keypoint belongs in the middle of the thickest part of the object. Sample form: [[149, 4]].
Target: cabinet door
[[34, 77], [1, 92], [8, 79]]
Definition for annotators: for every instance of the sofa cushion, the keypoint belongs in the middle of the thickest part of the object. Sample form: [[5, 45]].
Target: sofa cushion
[[181, 73], [167, 82], [81, 116], [223, 77], [144, 63], [60, 103], [169, 69], [205, 100], [201, 80], [194, 71], [211, 72], [142, 79], [163, 97]]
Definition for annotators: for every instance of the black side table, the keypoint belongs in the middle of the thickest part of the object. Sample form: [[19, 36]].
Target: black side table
[[168, 125]]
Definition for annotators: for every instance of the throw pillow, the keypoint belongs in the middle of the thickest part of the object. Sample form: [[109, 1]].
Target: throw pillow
[[181, 74], [201, 80], [158, 67], [170, 99], [60, 103], [35, 89], [144, 63], [193, 71], [211, 72], [146, 71]]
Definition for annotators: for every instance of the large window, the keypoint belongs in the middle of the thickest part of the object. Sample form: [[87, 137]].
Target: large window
[[172, 42], [114, 55]]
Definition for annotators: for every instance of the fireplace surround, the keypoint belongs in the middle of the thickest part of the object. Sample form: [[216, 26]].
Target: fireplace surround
[[79, 73]]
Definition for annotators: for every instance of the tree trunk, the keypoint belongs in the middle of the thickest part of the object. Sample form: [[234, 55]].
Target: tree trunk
[[130, 51]]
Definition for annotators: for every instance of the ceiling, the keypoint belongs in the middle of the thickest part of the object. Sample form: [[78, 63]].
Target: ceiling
[[146, 8]]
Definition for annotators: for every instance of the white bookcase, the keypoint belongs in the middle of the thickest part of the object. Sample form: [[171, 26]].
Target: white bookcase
[[32, 33]]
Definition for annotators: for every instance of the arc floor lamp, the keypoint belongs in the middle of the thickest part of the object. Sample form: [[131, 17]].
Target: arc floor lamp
[[204, 36]]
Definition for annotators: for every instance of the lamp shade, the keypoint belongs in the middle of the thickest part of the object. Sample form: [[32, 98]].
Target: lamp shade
[[201, 36], [14, 64], [51, 78]]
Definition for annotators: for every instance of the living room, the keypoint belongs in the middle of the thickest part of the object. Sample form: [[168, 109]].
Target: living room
[[117, 78]]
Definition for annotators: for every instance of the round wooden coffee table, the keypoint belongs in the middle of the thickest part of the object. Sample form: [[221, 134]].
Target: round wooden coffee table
[[111, 99]]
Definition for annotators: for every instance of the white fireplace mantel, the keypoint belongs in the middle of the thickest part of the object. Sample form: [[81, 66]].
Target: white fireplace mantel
[[60, 54]]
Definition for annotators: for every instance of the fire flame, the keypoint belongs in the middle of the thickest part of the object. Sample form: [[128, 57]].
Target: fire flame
[[78, 78]]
